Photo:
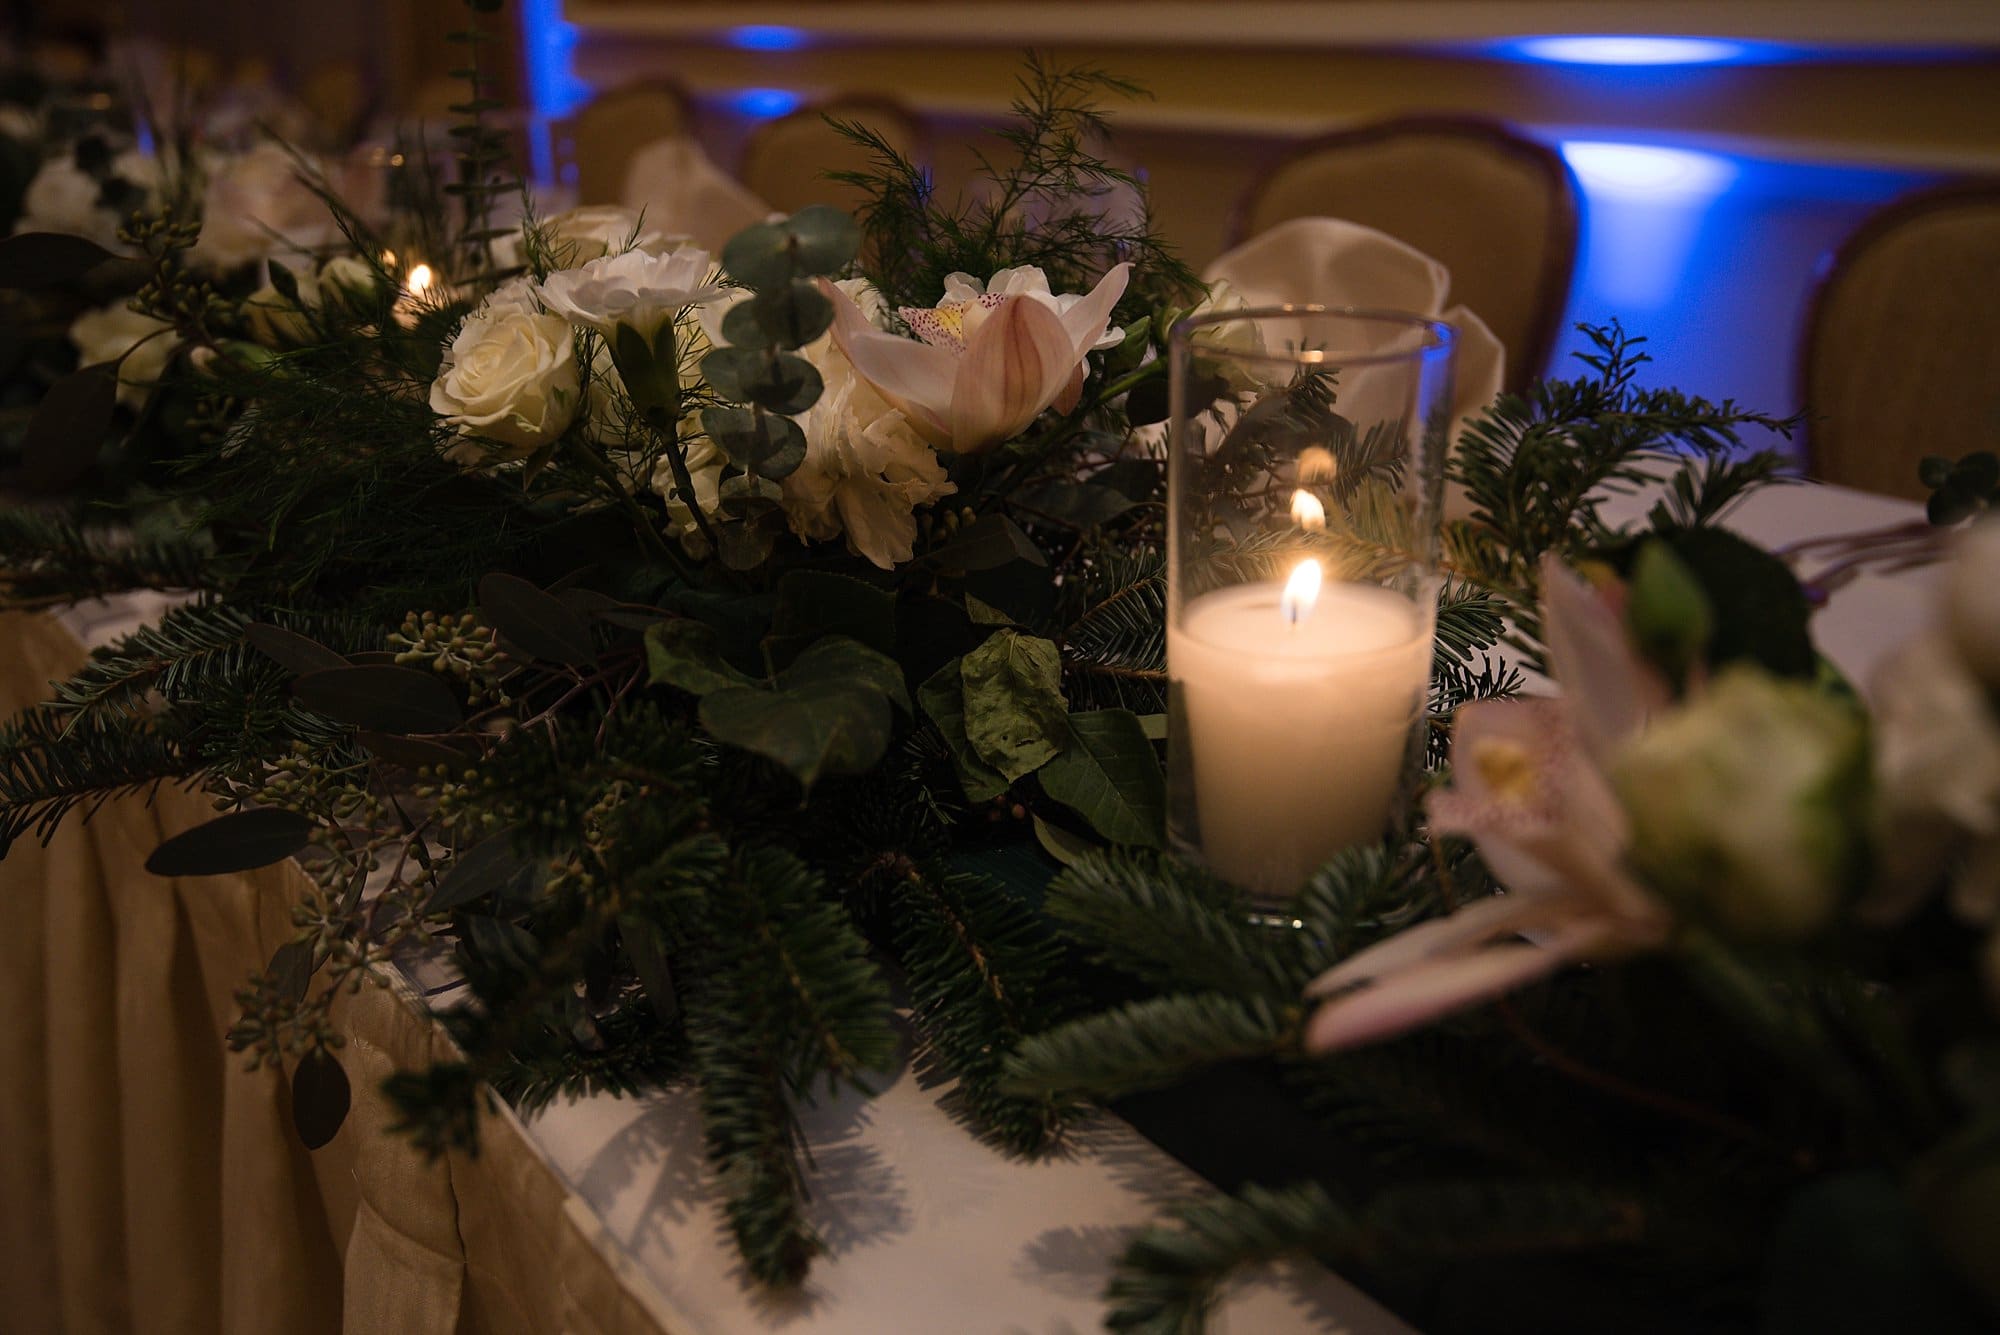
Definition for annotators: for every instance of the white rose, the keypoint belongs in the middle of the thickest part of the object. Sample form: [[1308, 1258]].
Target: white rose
[[1972, 600], [1747, 803], [508, 376], [256, 206], [639, 291], [866, 469], [112, 332], [64, 198], [516, 295], [596, 230]]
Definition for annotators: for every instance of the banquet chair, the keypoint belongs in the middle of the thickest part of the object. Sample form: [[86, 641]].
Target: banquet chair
[[787, 160], [1498, 209], [1901, 353], [597, 142]]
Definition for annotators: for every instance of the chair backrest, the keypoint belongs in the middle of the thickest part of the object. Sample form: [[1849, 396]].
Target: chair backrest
[[598, 141], [1496, 208], [1901, 354], [786, 159]]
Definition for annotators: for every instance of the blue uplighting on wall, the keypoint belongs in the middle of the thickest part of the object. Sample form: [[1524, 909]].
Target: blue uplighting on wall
[[547, 45], [764, 103], [1633, 50], [1644, 209], [768, 37]]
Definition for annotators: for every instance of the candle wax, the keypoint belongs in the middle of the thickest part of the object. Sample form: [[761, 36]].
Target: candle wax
[[1296, 732]]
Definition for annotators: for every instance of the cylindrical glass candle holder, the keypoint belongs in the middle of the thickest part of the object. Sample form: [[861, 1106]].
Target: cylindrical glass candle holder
[[1305, 482]]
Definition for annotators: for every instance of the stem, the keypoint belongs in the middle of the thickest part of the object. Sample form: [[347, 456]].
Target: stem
[[665, 418], [641, 521]]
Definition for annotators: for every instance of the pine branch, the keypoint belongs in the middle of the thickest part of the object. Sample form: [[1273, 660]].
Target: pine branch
[[48, 560], [1148, 1045], [983, 973], [49, 767]]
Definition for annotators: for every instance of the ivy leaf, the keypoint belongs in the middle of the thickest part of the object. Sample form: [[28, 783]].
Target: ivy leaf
[[821, 728], [320, 1097], [837, 660], [1014, 710], [1110, 776], [988, 541], [36, 260], [535, 623], [812, 603], [236, 842], [380, 698], [943, 699], [683, 654]]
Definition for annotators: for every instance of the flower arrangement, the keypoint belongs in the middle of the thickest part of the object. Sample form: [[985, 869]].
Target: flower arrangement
[[707, 651]]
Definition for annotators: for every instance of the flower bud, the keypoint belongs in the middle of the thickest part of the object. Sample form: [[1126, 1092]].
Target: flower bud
[[1972, 600], [1747, 804]]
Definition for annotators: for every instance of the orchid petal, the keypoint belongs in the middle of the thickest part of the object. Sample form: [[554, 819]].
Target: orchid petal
[[1473, 925], [914, 377], [1427, 992], [1611, 692], [1085, 321], [1014, 366]]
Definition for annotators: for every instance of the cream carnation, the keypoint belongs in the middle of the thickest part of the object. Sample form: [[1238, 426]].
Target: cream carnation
[[636, 290], [509, 376], [596, 230], [866, 469]]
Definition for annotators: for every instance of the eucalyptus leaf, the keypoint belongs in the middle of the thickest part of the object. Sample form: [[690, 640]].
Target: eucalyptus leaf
[[290, 650], [779, 382], [1014, 710], [1109, 775], [760, 256], [291, 970], [793, 315], [236, 842], [36, 260], [764, 443], [535, 623], [66, 434], [320, 1098], [943, 699], [1082, 504], [683, 654], [380, 698], [826, 239], [741, 327], [412, 753], [489, 867]]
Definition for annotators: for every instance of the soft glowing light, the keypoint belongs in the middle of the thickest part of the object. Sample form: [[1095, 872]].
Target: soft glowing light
[[764, 103], [1301, 591], [1317, 464], [768, 37], [419, 281], [1307, 512], [1647, 169], [1630, 50]]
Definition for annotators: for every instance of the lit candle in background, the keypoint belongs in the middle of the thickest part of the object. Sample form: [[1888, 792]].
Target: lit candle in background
[[415, 296], [1298, 701]]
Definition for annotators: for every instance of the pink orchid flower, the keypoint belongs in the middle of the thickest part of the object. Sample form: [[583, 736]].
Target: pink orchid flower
[[979, 370], [1529, 788]]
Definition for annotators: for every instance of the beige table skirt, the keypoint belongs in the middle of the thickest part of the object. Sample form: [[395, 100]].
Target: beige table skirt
[[149, 1183]]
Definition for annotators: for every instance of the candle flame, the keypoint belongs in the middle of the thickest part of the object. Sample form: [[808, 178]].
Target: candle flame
[[1317, 464], [1301, 592], [419, 281], [1307, 512]]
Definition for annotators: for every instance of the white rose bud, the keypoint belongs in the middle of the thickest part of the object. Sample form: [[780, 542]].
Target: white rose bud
[[509, 376], [111, 332], [348, 279], [1972, 600], [1748, 804]]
